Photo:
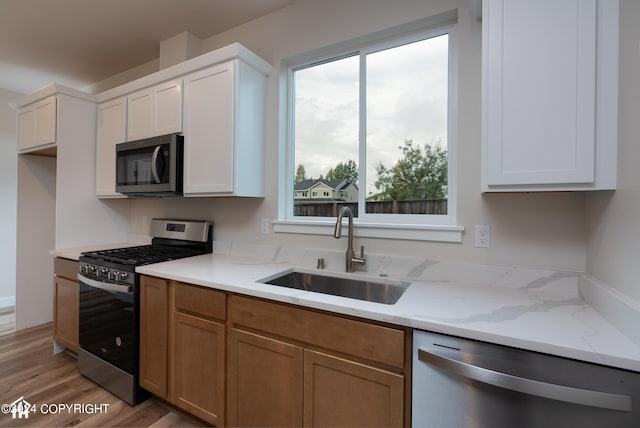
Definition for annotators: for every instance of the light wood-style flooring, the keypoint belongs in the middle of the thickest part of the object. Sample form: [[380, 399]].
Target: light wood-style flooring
[[7, 320], [29, 369]]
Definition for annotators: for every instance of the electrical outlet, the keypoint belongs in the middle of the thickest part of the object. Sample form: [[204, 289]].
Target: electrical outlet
[[264, 225], [482, 236]]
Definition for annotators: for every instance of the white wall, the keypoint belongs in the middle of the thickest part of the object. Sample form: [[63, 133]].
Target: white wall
[[8, 183], [534, 230], [36, 225], [614, 217]]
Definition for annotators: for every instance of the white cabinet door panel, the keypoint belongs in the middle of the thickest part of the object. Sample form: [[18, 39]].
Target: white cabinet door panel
[[112, 130], [140, 115], [209, 131], [168, 108], [37, 124], [540, 85], [155, 111]]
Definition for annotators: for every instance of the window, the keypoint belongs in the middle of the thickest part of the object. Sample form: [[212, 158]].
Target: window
[[374, 126]]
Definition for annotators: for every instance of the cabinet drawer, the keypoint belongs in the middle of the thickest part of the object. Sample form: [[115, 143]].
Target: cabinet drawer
[[66, 268], [377, 343], [200, 300]]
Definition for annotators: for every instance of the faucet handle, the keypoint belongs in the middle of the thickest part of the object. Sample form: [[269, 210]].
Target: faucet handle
[[359, 260]]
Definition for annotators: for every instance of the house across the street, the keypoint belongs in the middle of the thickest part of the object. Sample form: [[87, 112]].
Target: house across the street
[[322, 190]]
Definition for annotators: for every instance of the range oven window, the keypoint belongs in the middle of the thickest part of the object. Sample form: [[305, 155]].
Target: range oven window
[[108, 325]]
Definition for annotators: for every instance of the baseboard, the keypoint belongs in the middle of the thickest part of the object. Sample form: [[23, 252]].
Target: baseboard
[[620, 310]]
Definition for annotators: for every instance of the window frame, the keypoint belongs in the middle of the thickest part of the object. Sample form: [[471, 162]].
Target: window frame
[[430, 227]]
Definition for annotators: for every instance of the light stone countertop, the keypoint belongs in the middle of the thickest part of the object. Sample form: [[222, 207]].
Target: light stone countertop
[[531, 309]]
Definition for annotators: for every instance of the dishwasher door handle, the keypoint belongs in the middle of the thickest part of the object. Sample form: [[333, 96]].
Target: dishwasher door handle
[[528, 386]]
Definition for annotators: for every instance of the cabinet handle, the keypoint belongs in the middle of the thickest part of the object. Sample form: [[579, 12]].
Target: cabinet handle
[[528, 386]]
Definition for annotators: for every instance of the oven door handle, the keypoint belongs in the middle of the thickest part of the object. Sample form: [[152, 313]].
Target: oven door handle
[[105, 285]]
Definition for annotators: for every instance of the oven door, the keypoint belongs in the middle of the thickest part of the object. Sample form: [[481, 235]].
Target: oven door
[[108, 322]]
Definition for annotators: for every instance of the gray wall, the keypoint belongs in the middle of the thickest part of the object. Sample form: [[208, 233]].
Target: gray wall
[[530, 230], [8, 190], [614, 217]]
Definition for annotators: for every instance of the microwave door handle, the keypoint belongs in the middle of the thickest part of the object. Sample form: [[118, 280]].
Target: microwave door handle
[[154, 164], [527, 386]]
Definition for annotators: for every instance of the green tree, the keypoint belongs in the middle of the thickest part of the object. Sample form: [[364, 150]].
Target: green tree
[[301, 174], [348, 170], [421, 174]]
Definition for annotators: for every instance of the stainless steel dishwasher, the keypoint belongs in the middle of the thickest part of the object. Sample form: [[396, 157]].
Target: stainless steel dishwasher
[[461, 383]]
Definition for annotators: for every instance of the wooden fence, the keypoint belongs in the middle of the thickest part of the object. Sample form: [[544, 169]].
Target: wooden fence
[[331, 209]]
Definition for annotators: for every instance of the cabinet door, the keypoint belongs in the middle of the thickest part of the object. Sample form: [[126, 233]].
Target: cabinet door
[[65, 309], [209, 132], [37, 124], [539, 75], [26, 128], [198, 368], [167, 108], [264, 381], [154, 335], [112, 130], [155, 111], [139, 115], [339, 392]]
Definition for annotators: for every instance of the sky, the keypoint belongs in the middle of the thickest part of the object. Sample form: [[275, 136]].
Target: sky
[[406, 100]]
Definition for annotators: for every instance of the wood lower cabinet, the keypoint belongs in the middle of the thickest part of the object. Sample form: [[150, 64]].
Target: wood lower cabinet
[[198, 368], [287, 362], [182, 346], [154, 335], [232, 360], [339, 392], [198, 344], [264, 381], [66, 301]]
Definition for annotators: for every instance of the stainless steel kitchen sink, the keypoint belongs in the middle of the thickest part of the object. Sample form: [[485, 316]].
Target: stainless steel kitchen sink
[[379, 291]]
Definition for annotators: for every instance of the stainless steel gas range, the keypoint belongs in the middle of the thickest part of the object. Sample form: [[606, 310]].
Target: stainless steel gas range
[[109, 302]]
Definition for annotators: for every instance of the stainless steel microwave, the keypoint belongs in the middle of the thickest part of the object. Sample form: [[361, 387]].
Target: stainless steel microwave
[[150, 167]]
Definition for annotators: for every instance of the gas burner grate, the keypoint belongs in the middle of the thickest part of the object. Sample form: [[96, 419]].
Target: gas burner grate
[[144, 254]]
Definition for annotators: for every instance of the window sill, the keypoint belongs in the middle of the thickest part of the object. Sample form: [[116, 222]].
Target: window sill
[[414, 232]]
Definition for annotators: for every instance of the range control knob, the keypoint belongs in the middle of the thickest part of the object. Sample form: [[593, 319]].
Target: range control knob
[[123, 276], [104, 272]]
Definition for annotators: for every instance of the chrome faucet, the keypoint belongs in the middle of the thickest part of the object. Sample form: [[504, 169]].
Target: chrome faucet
[[351, 259]]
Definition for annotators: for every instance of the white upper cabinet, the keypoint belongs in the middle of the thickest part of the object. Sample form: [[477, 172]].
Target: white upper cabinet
[[549, 95], [223, 131], [112, 130], [155, 111], [37, 125], [222, 122]]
